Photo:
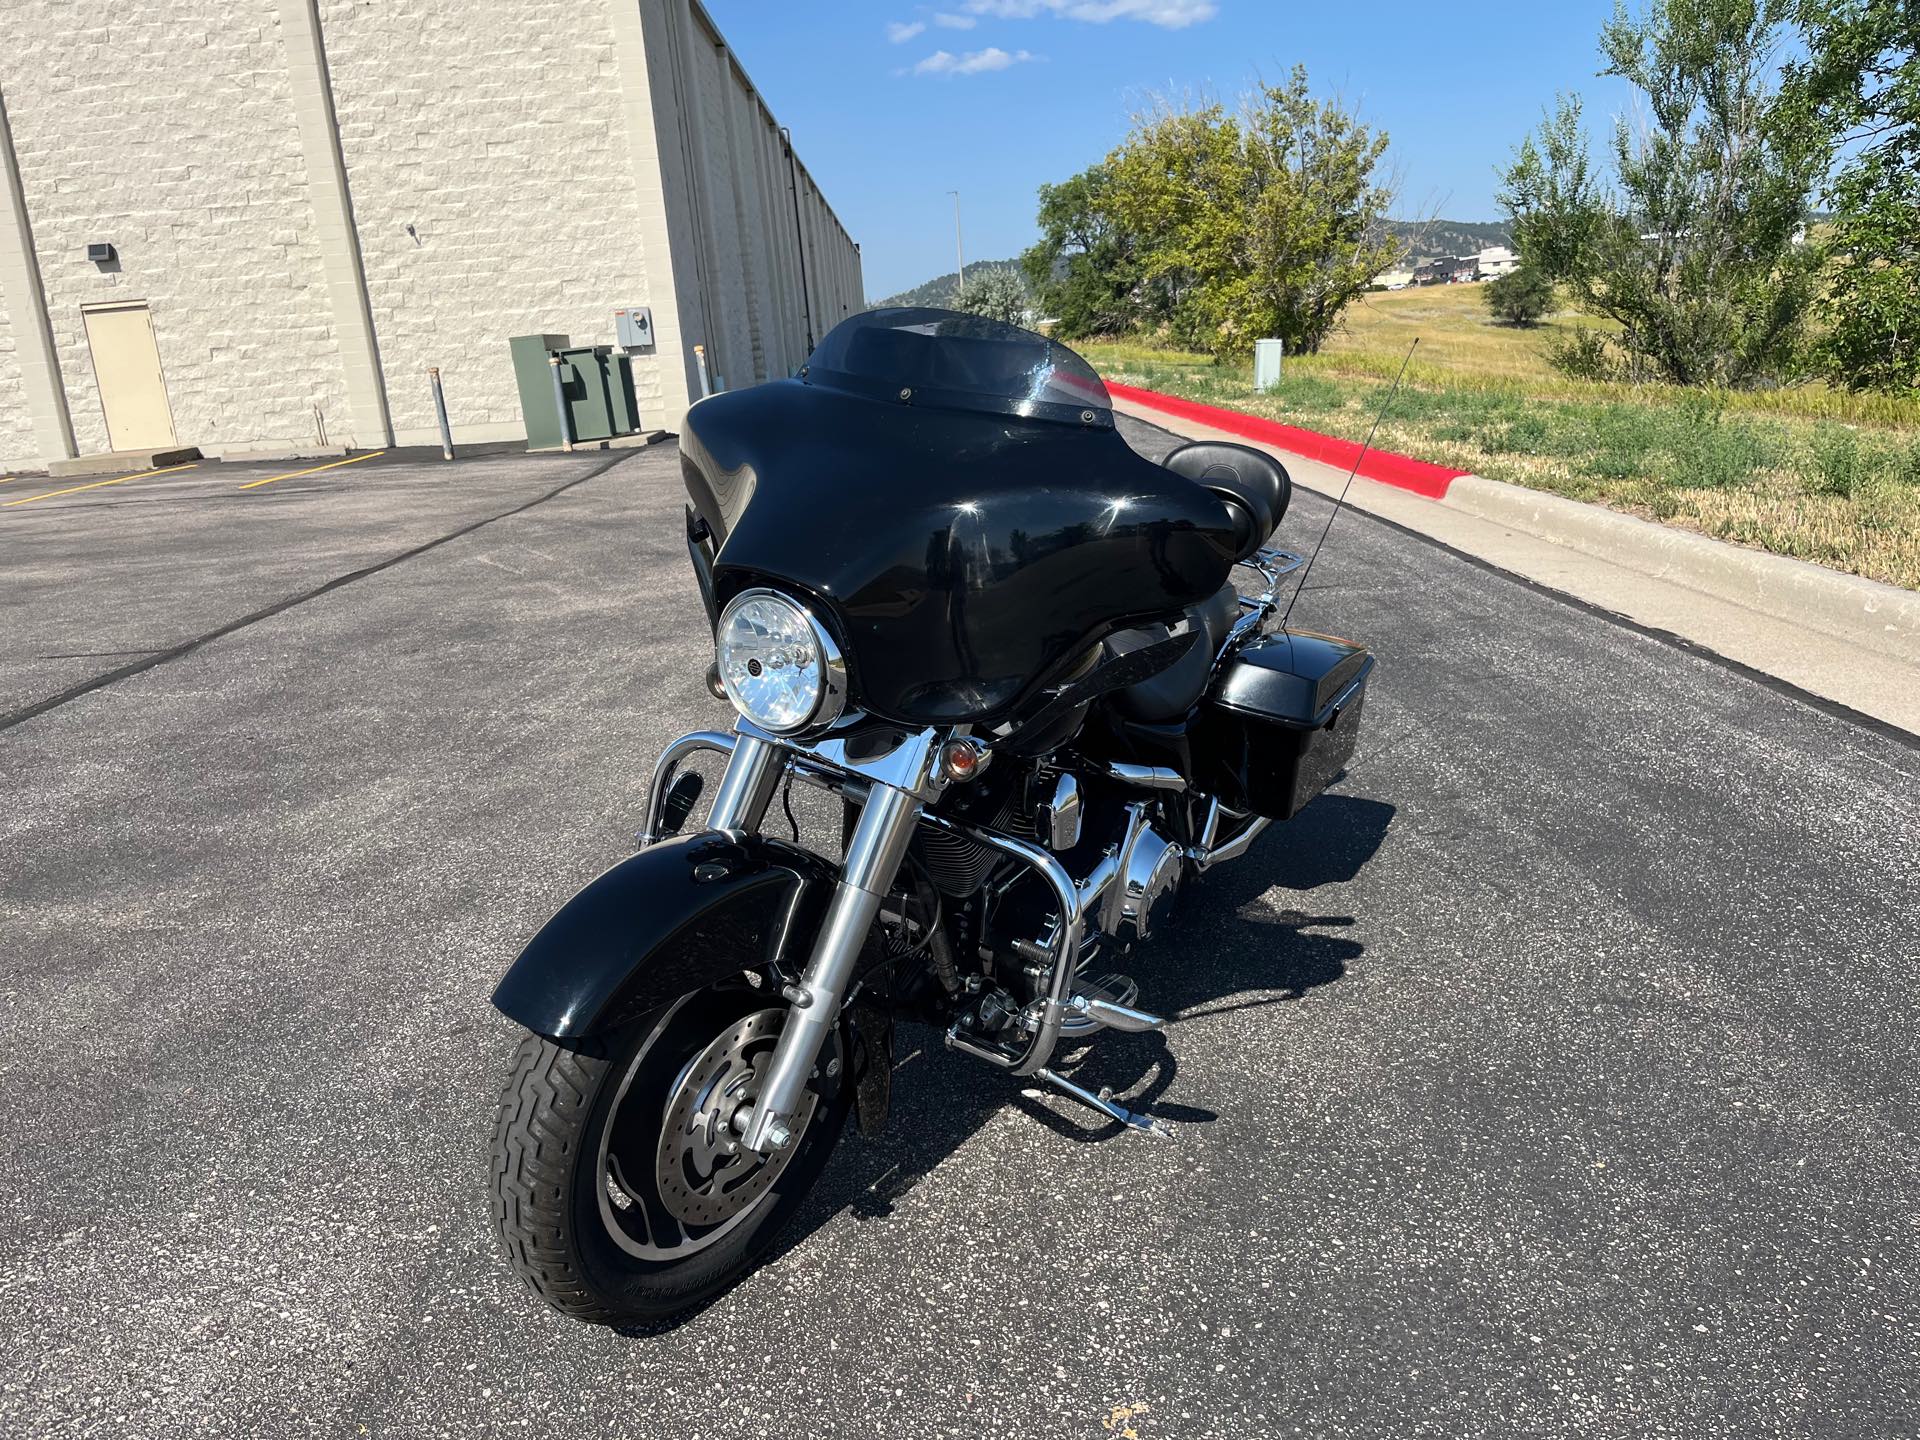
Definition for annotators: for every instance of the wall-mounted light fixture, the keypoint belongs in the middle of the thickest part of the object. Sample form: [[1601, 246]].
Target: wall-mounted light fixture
[[100, 252]]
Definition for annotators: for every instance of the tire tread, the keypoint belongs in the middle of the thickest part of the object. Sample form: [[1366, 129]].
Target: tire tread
[[544, 1110]]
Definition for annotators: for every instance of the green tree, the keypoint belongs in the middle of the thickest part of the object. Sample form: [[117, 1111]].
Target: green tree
[[1521, 296], [996, 294], [1696, 247], [1082, 272], [1180, 188], [1262, 224], [1319, 203], [1220, 228], [1860, 80]]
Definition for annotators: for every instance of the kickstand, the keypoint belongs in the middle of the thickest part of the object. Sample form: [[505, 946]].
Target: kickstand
[[1105, 1103]]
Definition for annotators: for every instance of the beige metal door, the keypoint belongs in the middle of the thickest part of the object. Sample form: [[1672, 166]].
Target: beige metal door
[[126, 367]]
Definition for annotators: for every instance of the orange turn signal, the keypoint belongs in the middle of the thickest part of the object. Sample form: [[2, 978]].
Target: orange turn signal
[[963, 759]]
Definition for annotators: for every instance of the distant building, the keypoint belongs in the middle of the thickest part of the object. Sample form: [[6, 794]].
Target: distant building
[[253, 224], [1447, 270], [1393, 279], [1495, 261]]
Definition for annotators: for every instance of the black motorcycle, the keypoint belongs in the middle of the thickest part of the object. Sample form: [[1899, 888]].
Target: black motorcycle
[[944, 589]]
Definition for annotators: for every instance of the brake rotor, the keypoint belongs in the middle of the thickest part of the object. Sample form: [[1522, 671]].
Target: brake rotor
[[703, 1175]]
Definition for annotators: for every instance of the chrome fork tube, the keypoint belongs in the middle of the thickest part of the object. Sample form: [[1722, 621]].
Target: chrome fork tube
[[874, 852], [748, 785]]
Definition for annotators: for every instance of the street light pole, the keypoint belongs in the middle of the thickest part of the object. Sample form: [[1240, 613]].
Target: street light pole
[[959, 254]]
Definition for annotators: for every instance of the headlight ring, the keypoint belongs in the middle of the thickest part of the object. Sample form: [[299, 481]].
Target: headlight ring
[[778, 664]]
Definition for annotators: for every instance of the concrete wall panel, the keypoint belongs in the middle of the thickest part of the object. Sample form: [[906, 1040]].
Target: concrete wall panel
[[17, 448], [493, 192], [167, 130]]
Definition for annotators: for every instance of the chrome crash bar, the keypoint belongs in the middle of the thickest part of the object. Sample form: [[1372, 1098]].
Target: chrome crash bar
[[1073, 902]]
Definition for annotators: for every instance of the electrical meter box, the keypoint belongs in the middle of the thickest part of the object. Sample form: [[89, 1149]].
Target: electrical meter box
[[633, 327], [1267, 355]]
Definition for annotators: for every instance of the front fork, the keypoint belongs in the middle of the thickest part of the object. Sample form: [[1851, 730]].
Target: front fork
[[874, 852]]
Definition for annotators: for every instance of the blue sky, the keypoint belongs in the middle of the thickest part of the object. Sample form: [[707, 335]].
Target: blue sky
[[893, 105]]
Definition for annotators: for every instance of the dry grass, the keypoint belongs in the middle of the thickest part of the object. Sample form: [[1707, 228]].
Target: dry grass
[[1807, 472], [1460, 344]]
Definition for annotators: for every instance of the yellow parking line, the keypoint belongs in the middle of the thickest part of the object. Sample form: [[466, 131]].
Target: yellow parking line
[[296, 474], [76, 489]]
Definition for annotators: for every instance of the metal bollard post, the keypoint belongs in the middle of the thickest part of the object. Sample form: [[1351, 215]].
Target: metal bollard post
[[700, 358], [440, 409], [560, 404]]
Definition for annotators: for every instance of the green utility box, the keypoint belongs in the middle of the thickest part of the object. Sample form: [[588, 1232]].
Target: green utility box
[[626, 409], [596, 386], [534, 378]]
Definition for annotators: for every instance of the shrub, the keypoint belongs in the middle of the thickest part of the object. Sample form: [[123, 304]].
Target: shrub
[[1584, 355], [1837, 468], [1520, 297], [996, 294]]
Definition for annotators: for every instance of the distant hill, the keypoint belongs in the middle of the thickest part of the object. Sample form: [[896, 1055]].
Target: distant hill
[[939, 290], [1435, 238], [1429, 240]]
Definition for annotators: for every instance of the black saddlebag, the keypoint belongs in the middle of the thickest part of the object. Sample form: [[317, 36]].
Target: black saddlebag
[[1281, 721]]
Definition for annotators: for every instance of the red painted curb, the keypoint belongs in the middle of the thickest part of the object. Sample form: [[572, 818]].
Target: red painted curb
[[1422, 477]]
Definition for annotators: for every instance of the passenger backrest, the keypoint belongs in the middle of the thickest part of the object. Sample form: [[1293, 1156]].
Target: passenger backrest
[[1253, 485]]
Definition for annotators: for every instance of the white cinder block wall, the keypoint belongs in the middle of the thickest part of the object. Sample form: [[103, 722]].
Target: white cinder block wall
[[166, 130], [16, 431], [493, 192], [512, 166]]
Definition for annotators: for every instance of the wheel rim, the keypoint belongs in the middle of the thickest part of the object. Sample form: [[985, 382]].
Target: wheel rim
[[672, 1180]]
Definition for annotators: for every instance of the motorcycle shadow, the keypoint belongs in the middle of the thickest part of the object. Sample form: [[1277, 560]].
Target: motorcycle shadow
[[1230, 945]]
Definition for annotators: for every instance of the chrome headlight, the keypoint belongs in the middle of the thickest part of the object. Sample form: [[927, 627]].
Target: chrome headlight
[[778, 664]]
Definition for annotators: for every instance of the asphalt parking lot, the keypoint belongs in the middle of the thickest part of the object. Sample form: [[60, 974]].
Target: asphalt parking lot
[[1557, 1074]]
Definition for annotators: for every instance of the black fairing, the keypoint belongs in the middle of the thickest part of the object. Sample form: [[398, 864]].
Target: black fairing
[[965, 557], [680, 915]]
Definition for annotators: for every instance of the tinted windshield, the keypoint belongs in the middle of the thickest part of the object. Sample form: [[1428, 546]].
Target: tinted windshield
[[945, 358]]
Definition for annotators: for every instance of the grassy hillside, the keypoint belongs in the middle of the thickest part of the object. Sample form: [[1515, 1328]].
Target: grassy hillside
[[1803, 471]]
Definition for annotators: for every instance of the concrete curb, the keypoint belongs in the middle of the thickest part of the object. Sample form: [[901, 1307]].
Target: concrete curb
[[1865, 612], [1869, 614]]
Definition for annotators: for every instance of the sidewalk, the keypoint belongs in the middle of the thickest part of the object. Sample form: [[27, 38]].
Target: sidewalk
[[1847, 640]]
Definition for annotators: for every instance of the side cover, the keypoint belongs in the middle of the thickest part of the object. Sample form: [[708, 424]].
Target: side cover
[[1282, 721], [679, 915]]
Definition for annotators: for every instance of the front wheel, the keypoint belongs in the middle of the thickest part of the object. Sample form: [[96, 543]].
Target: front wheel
[[618, 1190]]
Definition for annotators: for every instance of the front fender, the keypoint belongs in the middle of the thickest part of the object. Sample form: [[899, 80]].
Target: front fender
[[683, 913]]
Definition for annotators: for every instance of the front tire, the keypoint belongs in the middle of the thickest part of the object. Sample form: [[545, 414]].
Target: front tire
[[614, 1192]]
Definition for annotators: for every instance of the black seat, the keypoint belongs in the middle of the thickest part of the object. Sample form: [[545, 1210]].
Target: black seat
[[1253, 485], [1170, 694]]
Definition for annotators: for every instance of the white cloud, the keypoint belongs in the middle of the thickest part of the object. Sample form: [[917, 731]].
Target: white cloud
[[954, 22], [899, 33], [974, 62], [1169, 14]]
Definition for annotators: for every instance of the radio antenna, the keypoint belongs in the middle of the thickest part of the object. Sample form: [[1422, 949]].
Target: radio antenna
[[1307, 569]]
